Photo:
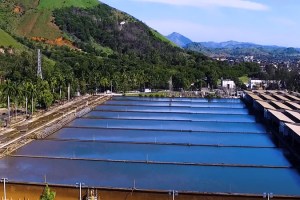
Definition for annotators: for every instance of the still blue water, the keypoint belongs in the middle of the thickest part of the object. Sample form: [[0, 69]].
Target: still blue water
[[170, 125], [153, 176], [172, 116], [157, 153], [132, 129], [197, 100], [177, 104], [147, 136], [170, 109]]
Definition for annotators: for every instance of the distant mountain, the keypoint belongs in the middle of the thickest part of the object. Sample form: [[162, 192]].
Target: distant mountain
[[235, 49], [179, 39], [229, 44]]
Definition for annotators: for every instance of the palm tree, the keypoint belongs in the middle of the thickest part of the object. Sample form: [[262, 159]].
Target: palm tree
[[8, 89], [26, 94], [104, 82], [18, 93], [53, 83], [32, 93]]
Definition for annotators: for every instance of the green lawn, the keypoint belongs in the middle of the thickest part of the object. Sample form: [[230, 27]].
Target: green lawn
[[53, 4], [6, 40], [244, 79]]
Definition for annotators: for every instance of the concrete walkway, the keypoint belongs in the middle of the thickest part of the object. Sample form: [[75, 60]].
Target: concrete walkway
[[39, 122]]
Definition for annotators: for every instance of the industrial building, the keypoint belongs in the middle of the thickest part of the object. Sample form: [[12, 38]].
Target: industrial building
[[281, 113]]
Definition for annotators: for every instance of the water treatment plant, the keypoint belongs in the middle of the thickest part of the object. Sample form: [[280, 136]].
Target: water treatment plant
[[188, 145]]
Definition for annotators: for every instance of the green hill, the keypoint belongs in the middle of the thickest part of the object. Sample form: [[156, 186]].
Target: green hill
[[54, 4], [239, 49], [34, 18], [117, 30], [108, 46], [8, 41]]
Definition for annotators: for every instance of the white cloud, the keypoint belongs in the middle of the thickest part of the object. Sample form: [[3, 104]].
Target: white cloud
[[240, 4]]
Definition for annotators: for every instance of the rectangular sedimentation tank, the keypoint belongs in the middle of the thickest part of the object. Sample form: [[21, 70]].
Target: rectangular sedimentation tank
[[160, 144]]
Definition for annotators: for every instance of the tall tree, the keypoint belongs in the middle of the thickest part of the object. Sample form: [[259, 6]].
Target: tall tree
[[8, 90], [104, 82], [48, 194], [26, 93], [32, 95], [17, 96]]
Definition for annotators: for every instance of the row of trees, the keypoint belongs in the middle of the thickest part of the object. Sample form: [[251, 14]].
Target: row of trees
[[137, 59], [137, 52], [286, 78], [25, 95]]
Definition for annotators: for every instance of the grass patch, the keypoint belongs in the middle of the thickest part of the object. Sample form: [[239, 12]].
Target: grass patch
[[54, 4], [44, 23], [244, 79], [6, 40], [38, 22]]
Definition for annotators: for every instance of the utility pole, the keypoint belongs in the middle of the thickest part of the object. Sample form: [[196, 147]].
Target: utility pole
[[111, 87], [60, 92], [80, 186], [39, 70], [170, 84], [69, 91], [26, 105], [268, 195], [173, 193], [8, 111], [31, 106], [4, 180]]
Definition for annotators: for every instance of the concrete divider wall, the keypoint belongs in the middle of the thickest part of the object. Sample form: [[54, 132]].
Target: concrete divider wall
[[32, 192]]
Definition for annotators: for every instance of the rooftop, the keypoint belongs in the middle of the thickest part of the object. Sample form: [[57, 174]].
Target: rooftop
[[265, 105], [280, 116], [295, 128]]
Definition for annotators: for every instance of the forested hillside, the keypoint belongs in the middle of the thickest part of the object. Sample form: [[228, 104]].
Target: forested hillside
[[96, 46], [238, 49]]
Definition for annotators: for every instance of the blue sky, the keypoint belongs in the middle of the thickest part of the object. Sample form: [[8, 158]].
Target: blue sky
[[270, 22]]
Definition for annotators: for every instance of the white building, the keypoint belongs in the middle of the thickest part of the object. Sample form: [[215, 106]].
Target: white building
[[256, 83], [248, 58], [229, 84], [147, 90]]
